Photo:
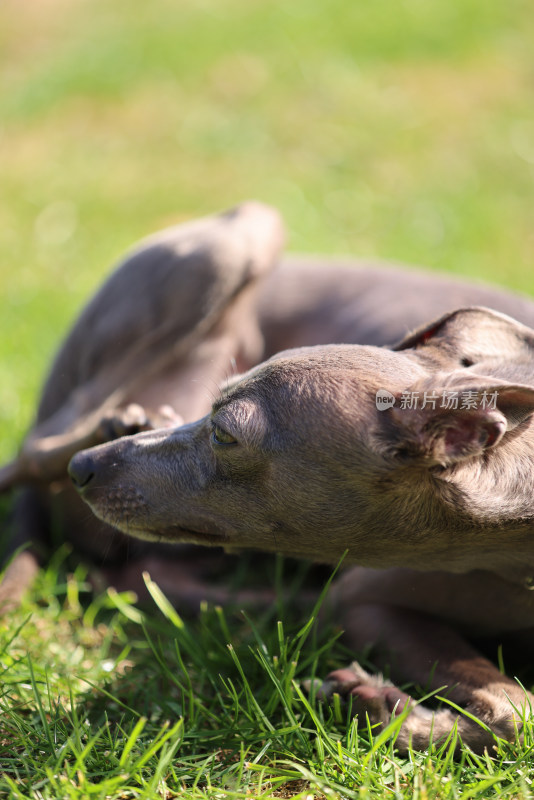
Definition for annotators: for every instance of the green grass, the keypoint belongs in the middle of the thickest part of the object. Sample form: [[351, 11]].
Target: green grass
[[391, 130], [101, 700]]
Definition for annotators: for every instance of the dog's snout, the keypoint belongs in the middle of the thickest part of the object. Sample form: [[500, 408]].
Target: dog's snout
[[82, 469]]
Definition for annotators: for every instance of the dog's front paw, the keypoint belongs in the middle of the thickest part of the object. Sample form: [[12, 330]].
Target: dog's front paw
[[370, 696], [374, 699], [123, 422], [379, 701], [135, 419]]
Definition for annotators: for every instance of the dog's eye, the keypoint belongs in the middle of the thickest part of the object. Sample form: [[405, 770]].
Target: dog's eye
[[220, 436]]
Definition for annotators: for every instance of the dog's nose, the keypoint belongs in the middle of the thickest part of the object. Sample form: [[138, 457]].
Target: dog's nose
[[82, 469]]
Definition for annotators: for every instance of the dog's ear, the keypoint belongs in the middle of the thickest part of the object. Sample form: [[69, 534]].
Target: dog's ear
[[469, 336], [446, 426]]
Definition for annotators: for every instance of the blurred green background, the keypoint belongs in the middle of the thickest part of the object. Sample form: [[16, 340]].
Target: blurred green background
[[400, 130]]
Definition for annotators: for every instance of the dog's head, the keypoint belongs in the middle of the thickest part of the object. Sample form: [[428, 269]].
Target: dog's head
[[416, 456]]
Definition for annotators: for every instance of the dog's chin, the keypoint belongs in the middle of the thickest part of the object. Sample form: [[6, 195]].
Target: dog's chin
[[181, 535], [174, 533]]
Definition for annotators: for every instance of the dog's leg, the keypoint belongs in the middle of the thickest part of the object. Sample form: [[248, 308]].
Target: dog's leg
[[196, 578], [151, 349], [29, 525], [420, 648], [18, 578], [175, 312]]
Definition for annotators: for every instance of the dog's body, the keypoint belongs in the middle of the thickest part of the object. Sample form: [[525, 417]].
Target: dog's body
[[433, 502]]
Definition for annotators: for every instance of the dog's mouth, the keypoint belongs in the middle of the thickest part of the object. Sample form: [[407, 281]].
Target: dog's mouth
[[177, 533], [210, 535], [127, 510]]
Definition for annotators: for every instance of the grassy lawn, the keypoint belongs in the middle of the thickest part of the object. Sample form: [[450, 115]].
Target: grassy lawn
[[393, 130]]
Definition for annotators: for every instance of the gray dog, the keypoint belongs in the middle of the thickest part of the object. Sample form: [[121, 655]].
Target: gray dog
[[415, 459]]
